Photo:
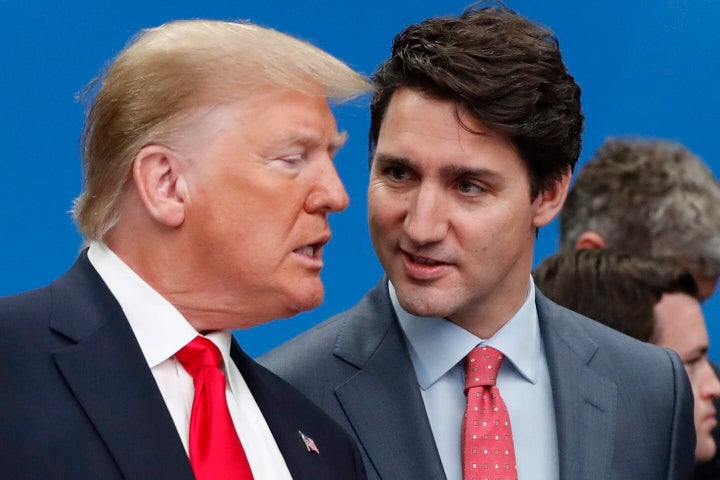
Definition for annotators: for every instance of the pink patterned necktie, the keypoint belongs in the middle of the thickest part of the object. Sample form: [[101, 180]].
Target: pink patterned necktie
[[215, 449], [487, 444]]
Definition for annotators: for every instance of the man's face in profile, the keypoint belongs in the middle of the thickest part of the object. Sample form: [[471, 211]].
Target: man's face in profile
[[261, 183], [680, 326]]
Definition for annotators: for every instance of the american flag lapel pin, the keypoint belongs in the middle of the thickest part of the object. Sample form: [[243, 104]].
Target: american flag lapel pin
[[309, 443]]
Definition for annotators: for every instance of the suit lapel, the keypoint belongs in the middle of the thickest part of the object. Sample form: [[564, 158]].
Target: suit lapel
[[585, 402], [283, 429], [106, 371], [280, 415], [392, 424]]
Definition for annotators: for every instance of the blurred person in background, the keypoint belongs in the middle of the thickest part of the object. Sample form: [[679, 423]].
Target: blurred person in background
[[650, 299], [650, 197]]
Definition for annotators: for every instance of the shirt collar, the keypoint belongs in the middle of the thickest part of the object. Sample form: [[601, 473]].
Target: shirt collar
[[437, 345], [222, 339], [159, 327]]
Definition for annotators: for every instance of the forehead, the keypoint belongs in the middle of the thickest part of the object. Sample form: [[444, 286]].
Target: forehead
[[269, 117], [437, 133], [679, 322]]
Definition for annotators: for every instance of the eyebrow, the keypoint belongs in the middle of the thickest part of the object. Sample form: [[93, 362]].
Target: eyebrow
[[312, 140], [400, 161], [698, 352], [449, 171], [454, 171]]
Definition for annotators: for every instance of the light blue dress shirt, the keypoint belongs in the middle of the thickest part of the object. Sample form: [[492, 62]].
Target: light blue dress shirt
[[437, 349]]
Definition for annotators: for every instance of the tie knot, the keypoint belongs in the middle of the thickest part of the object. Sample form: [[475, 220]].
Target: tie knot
[[482, 365], [198, 354]]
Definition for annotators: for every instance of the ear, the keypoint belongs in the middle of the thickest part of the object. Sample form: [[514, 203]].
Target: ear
[[158, 178], [590, 240], [550, 201]]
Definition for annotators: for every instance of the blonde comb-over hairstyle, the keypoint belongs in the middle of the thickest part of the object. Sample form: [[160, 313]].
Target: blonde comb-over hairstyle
[[168, 72]]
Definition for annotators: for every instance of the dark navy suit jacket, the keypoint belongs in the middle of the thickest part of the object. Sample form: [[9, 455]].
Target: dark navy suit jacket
[[624, 408], [78, 400]]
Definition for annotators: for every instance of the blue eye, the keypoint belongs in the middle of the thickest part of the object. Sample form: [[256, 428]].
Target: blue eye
[[469, 188]]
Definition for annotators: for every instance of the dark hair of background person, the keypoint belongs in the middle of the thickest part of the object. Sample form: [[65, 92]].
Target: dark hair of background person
[[504, 70], [612, 287]]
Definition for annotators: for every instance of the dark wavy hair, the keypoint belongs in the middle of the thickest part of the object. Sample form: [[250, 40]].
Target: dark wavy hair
[[504, 70], [615, 288]]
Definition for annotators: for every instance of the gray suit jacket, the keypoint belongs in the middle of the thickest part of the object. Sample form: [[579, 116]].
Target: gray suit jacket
[[624, 408]]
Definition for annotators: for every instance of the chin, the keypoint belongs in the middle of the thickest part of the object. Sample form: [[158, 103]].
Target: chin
[[705, 449], [421, 307], [303, 298]]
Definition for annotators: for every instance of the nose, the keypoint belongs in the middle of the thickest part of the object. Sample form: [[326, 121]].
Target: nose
[[711, 386], [328, 193], [426, 221]]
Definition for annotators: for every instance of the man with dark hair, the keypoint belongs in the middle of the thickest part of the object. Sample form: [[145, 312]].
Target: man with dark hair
[[653, 300], [650, 197], [475, 130]]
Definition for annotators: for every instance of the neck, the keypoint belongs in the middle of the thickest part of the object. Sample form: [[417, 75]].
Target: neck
[[487, 319]]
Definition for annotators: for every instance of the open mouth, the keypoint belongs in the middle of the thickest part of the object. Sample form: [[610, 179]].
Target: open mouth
[[423, 268], [309, 250], [424, 261]]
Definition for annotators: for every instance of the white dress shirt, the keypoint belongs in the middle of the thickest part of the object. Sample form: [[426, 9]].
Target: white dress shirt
[[437, 349], [161, 331]]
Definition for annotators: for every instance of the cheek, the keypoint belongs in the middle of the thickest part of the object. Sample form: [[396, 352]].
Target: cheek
[[491, 226], [382, 231], [269, 213], [378, 234], [514, 231], [694, 384], [379, 211]]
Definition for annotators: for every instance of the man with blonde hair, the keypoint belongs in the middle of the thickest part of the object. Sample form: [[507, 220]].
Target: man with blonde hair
[[209, 177]]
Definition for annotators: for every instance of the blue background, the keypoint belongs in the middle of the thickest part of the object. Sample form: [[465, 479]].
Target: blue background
[[649, 68]]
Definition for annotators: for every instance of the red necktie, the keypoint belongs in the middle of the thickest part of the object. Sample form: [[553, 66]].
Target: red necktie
[[487, 445], [215, 449]]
